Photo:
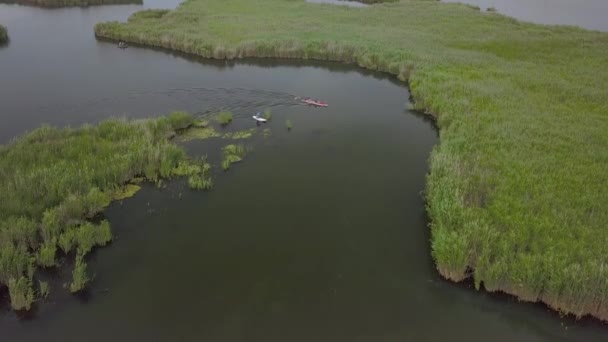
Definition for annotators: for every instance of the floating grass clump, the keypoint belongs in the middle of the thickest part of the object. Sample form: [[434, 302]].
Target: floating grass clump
[[518, 186], [198, 174], [43, 289], [52, 181], [3, 35], [70, 3], [197, 133], [232, 154], [268, 114], [224, 118], [244, 134]]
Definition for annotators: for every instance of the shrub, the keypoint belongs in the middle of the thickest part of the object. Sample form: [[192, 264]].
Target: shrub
[[224, 118]]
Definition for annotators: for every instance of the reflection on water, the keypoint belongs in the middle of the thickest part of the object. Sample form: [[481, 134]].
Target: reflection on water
[[590, 14]]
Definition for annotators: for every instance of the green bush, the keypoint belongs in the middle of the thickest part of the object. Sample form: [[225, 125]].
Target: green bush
[[180, 120], [224, 118]]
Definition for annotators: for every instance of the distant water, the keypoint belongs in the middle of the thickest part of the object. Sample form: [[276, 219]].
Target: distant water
[[589, 14]]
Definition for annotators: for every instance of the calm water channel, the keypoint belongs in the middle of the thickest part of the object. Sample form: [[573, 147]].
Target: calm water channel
[[590, 14], [320, 235]]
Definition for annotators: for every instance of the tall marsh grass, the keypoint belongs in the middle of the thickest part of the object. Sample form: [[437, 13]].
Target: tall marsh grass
[[53, 180], [232, 153], [224, 118], [518, 185]]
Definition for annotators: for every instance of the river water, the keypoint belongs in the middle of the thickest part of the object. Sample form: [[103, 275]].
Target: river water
[[320, 235], [589, 14]]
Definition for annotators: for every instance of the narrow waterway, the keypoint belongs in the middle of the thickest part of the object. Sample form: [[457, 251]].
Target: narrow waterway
[[320, 235]]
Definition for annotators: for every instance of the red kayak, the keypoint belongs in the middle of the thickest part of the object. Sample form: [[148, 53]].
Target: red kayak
[[315, 103]]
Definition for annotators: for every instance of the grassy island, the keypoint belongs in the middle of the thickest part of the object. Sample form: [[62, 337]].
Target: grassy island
[[71, 3], [53, 183], [518, 188]]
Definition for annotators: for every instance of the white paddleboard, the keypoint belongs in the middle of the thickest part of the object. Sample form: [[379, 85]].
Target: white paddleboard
[[258, 119]]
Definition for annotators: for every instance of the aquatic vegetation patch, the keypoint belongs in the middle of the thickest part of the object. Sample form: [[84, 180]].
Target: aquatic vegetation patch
[[43, 289], [243, 134], [268, 114], [232, 153], [224, 118], [53, 181], [198, 173], [518, 185], [197, 133], [126, 191], [288, 124], [3, 35]]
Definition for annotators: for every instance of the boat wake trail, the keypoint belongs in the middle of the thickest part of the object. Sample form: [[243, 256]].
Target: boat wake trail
[[196, 100]]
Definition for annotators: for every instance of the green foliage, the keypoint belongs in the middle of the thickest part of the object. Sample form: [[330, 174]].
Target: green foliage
[[232, 153], [67, 240], [224, 118], [199, 174], [53, 180], [21, 293], [268, 114], [44, 289], [89, 235], [180, 120], [197, 133], [45, 256], [199, 182], [517, 187], [126, 191], [80, 279], [288, 124], [3, 35], [244, 134]]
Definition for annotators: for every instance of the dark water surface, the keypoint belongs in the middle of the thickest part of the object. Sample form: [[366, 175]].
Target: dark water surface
[[320, 235], [589, 14]]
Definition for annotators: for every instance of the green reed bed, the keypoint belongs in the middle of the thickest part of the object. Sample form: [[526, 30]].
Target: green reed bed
[[224, 118], [53, 181], [232, 153], [518, 188]]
